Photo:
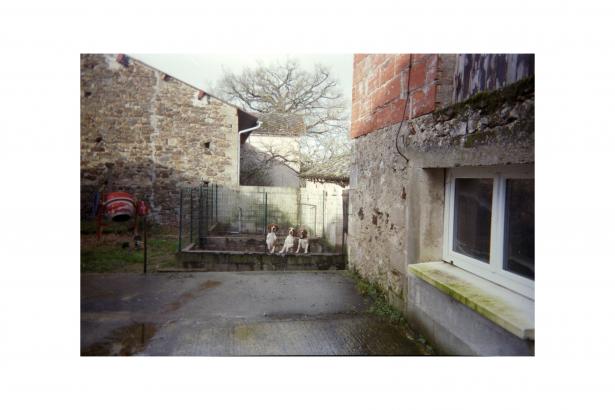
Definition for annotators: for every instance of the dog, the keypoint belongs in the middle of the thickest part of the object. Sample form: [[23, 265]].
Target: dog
[[304, 242], [289, 242], [271, 238]]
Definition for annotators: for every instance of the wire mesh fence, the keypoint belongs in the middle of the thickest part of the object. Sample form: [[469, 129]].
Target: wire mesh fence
[[214, 211]]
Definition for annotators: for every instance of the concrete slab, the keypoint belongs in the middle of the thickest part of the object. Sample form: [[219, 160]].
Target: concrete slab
[[233, 313], [507, 309]]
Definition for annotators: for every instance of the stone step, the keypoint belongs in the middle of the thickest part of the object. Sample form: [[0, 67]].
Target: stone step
[[235, 261]]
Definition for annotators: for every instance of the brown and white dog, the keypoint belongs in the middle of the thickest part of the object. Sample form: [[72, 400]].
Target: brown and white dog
[[304, 242], [271, 237], [289, 242]]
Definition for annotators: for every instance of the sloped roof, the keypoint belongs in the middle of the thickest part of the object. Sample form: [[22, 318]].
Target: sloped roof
[[337, 169], [280, 124], [245, 116]]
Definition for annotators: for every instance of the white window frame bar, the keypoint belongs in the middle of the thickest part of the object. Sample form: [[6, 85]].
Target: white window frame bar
[[492, 271]]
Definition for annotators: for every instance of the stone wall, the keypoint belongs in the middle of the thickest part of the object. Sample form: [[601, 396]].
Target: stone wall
[[491, 128], [397, 206], [147, 133], [378, 200]]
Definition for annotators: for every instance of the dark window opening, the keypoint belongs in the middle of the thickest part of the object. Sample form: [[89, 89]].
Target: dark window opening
[[519, 227], [472, 221]]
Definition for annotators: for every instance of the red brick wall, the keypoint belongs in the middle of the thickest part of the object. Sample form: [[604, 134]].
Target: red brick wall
[[379, 89]]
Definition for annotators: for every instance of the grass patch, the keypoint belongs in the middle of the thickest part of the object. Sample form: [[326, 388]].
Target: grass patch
[[110, 258], [380, 307], [118, 228], [109, 255]]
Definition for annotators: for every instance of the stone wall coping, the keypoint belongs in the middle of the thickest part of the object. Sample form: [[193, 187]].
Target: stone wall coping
[[276, 254], [507, 309]]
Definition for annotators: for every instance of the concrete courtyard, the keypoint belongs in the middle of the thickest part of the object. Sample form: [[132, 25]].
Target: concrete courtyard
[[234, 314]]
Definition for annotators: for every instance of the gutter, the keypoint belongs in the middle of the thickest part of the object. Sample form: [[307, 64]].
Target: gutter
[[258, 125]]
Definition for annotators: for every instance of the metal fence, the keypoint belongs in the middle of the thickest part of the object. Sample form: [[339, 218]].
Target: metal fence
[[216, 210]]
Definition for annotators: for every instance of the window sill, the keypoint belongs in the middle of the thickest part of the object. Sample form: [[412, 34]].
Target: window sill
[[508, 309]]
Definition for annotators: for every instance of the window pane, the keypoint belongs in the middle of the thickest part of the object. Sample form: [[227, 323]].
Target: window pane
[[519, 227], [472, 224]]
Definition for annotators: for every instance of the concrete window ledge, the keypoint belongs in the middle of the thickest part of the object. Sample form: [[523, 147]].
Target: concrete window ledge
[[507, 309]]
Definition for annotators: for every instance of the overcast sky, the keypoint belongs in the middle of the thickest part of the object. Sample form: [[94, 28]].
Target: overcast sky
[[204, 70]]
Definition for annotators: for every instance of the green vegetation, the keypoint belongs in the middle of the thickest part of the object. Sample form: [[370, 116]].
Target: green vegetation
[[489, 101], [115, 251], [89, 227], [379, 306], [479, 138], [110, 258], [382, 308]]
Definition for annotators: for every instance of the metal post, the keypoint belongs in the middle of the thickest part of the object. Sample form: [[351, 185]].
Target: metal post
[[145, 244], [323, 213], [216, 218], [191, 216], [181, 206], [200, 216], [207, 210], [265, 221]]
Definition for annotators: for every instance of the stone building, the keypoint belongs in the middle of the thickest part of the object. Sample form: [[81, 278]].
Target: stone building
[[147, 133], [442, 194], [270, 154]]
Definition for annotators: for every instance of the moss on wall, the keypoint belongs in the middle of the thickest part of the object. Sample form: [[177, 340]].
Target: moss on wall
[[489, 102]]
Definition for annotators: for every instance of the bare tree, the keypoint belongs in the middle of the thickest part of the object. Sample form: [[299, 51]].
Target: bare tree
[[257, 163], [287, 88]]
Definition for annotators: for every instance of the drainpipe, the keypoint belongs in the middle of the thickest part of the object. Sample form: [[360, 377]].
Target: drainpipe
[[258, 125]]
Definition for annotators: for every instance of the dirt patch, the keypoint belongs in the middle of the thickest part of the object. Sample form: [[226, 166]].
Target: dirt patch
[[125, 341], [188, 296], [209, 284]]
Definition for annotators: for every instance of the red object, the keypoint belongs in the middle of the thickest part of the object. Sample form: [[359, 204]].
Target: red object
[[122, 59], [119, 206], [201, 94], [142, 208]]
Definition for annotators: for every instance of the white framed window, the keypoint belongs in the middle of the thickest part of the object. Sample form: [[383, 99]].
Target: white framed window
[[489, 224]]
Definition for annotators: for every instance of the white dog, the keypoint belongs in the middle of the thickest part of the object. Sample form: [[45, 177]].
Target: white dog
[[289, 242], [304, 242], [271, 238]]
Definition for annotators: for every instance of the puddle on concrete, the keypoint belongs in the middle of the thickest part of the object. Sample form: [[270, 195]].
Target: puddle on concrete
[[188, 296], [325, 335], [125, 341]]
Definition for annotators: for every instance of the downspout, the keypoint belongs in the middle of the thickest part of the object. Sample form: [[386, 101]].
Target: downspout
[[258, 125]]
